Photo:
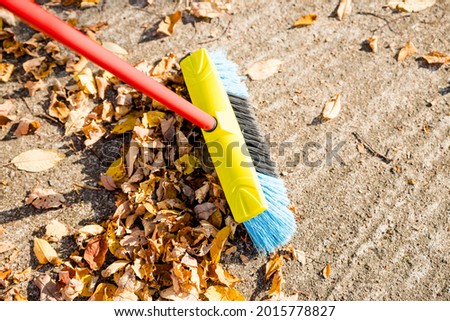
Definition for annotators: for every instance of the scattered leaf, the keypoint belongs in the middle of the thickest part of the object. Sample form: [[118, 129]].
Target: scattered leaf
[[223, 293], [114, 48], [436, 57], [5, 108], [55, 231], [305, 20], [344, 9], [187, 164], [26, 127], [218, 243], [104, 292], [277, 281], [167, 24], [332, 107], [37, 160], [114, 267], [326, 271], [44, 198], [48, 288], [45, 253], [4, 247], [408, 50], [86, 81], [76, 119], [125, 124], [411, 5], [22, 276], [264, 69], [92, 229], [93, 133], [373, 43], [34, 86], [204, 9], [6, 71], [275, 263]]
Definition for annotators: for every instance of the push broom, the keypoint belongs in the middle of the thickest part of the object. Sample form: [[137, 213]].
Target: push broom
[[256, 195]]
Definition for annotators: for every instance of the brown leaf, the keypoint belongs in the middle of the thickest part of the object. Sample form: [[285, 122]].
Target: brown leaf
[[205, 210], [275, 263], [59, 110], [23, 276], [44, 198], [305, 20], [167, 24], [26, 127], [104, 292], [264, 69], [107, 182], [86, 81], [436, 57], [5, 108], [218, 243], [32, 64], [408, 50], [48, 288], [114, 267], [34, 86], [326, 271], [344, 9], [45, 253], [6, 71], [204, 9], [95, 252], [93, 133]]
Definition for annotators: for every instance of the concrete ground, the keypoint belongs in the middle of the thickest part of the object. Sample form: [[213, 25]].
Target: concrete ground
[[382, 226]]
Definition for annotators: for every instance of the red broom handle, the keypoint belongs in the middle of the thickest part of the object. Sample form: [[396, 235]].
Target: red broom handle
[[57, 29]]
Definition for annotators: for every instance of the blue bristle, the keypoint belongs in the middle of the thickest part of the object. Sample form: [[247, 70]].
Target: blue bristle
[[275, 226], [229, 74]]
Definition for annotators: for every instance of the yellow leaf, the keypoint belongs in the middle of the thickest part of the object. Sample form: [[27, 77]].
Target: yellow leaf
[[306, 20], [104, 292], [275, 263], [277, 281], [125, 124], [187, 164], [411, 5], [223, 293], [152, 118], [373, 43], [111, 238], [408, 50], [6, 71], [167, 24], [44, 252], [217, 244], [326, 271], [88, 280], [117, 170], [114, 267], [86, 81]]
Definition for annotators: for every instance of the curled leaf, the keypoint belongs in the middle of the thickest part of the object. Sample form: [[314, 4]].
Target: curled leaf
[[95, 252], [344, 9], [436, 57], [168, 23], [6, 71], [26, 127], [332, 107], [408, 50], [373, 43], [326, 271]]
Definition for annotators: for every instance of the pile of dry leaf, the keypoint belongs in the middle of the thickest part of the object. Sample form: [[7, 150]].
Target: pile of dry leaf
[[172, 222]]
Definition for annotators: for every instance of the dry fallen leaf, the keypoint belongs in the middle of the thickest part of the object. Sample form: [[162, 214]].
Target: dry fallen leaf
[[344, 9], [305, 20], [326, 271], [223, 293], [104, 292], [48, 288], [408, 50], [332, 107], [264, 69], [411, 5], [218, 242], [114, 267], [167, 24], [277, 281], [55, 231], [203, 9], [37, 160], [114, 48], [76, 119], [4, 247], [45, 253], [87, 81], [34, 86], [6, 71], [93, 133], [7, 17], [23, 276], [44, 198], [26, 127], [373, 43], [95, 252], [275, 263], [436, 57], [5, 108]]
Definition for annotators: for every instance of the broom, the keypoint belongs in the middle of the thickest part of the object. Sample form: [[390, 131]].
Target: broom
[[256, 196]]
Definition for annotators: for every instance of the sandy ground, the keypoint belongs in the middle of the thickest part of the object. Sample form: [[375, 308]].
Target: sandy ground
[[385, 238]]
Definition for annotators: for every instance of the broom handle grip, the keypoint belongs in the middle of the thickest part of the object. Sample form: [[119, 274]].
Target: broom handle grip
[[57, 29]]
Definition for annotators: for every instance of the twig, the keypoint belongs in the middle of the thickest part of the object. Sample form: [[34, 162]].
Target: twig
[[388, 21], [81, 185], [218, 37], [370, 149]]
